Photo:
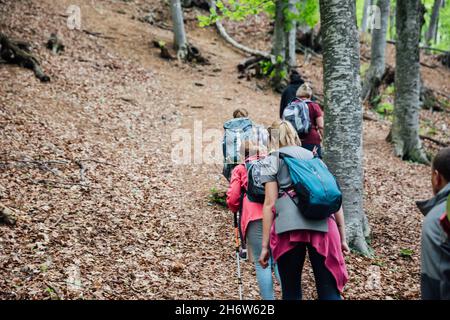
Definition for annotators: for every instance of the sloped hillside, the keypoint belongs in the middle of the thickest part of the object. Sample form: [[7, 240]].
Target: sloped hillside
[[86, 161]]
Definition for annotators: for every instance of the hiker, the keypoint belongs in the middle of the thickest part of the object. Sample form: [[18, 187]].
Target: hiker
[[251, 214], [239, 129], [290, 92], [292, 234], [236, 129], [312, 131], [435, 255], [240, 113]]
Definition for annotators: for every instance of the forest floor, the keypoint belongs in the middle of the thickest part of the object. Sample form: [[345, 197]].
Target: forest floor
[[86, 160]]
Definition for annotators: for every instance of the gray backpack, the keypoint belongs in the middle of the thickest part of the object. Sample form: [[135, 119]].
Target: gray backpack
[[236, 131], [297, 113]]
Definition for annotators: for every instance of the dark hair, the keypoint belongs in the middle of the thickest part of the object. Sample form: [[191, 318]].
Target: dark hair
[[295, 78], [441, 163], [240, 113]]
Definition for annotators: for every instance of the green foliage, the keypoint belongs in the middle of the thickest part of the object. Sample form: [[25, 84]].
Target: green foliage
[[269, 69], [363, 69], [444, 28], [406, 253], [385, 108], [390, 90], [308, 11], [359, 11], [237, 10], [266, 67], [376, 100], [218, 197]]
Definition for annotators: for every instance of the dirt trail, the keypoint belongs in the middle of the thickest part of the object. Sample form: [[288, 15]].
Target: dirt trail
[[146, 229]]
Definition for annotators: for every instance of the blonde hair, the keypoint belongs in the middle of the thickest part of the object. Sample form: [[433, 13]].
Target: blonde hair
[[240, 113], [282, 134], [304, 91]]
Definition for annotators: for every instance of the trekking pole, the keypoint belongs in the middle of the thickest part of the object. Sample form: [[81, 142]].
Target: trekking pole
[[236, 233]]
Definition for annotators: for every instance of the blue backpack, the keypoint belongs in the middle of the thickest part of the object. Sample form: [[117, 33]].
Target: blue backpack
[[318, 193]]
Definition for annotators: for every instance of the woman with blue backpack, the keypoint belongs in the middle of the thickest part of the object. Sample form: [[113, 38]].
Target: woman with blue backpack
[[250, 205], [302, 212]]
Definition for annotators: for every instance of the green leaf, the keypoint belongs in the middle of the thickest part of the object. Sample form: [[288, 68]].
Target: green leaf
[[407, 253]]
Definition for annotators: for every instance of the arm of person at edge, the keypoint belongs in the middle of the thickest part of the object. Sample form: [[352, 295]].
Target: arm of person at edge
[[234, 190], [341, 227], [271, 195], [320, 126]]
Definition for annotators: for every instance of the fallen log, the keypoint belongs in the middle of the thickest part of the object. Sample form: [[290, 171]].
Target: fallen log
[[18, 53]]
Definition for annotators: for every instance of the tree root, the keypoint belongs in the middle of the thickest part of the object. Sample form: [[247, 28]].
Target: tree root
[[18, 53]]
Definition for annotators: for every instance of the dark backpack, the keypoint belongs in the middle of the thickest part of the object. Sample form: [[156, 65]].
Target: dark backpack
[[318, 193], [255, 189], [297, 113]]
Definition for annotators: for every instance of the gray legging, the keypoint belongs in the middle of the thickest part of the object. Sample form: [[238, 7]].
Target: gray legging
[[264, 276]]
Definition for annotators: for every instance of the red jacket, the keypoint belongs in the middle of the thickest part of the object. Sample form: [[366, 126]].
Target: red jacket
[[251, 211]]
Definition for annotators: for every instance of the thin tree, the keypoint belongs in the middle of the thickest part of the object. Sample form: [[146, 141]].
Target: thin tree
[[433, 26], [405, 127], [292, 36], [378, 48], [279, 46], [180, 41], [343, 112], [392, 15], [365, 17]]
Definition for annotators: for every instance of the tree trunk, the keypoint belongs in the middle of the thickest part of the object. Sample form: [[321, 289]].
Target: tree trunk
[[180, 42], [405, 127], [292, 38], [365, 17], [432, 29], [377, 61], [343, 144], [279, 47]]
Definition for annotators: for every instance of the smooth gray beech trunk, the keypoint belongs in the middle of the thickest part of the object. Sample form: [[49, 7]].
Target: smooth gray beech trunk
[[343, 144], [292, 37], [365, 17], [433, 27], [378, 48], [180, 42], [405, 127], [279, 46]]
